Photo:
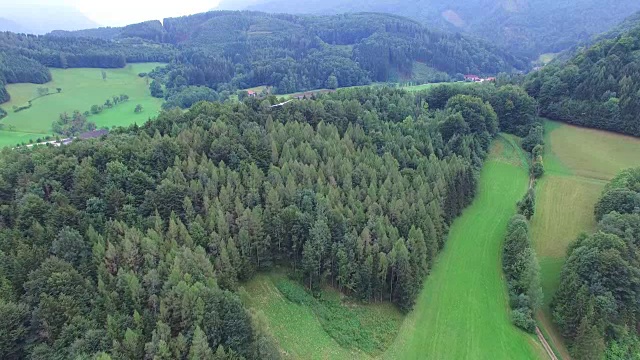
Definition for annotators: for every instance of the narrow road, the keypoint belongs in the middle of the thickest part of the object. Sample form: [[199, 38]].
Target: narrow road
[[545, 344]]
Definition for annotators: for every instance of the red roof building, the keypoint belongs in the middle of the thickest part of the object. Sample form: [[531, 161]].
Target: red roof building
[[472, 77]]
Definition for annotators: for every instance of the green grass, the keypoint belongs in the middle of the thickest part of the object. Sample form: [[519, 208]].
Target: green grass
[[329, 327], [13, 138], [546, 58], [589, 153], [81, 88], [463, 310], [578, 163]]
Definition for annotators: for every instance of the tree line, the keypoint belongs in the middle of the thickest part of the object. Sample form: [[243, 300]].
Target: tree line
[[133, 246], [522, 271], [596, 305]]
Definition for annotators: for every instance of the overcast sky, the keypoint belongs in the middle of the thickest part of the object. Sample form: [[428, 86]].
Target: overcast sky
[[124, 12]]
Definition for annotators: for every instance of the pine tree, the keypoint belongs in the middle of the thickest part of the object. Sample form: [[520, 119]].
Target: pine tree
[[200, 349]]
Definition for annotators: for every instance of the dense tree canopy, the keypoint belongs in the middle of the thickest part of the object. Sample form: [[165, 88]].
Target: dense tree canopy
[[525, 27], [599, 87], [522, 271], [239, 50], [596, 306], [133, 245]]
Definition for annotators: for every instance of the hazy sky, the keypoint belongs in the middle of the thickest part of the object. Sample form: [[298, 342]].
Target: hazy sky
[[124, 12]]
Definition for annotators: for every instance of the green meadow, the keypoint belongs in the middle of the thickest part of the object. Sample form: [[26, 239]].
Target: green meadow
[[81, 88], [578, 164], [463, 310], [333, 328]]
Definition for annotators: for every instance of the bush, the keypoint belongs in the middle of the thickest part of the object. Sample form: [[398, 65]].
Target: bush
[[527, 206], [294, 292], [537, 169], [21, 108], [522, 318]]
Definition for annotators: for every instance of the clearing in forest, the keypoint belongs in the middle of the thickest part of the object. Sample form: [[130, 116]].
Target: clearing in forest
[[81, 88], [463, 311], [578, 163], [332, 328]]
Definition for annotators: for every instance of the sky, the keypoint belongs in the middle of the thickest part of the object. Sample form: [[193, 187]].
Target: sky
[[124, 12]]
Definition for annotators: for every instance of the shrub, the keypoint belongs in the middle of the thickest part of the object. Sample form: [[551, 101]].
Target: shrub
[[522, 318]]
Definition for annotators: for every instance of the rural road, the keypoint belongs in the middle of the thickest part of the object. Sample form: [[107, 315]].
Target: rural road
[[545, 344]]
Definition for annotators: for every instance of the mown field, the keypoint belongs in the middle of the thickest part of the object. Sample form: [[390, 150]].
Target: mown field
[[463, 310], [578, 163], [81, 88]]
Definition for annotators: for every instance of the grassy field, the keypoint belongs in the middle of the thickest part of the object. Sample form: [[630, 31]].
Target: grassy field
[[299, 328], [546, 58], [578, 163], [81, 88], [463, 310]]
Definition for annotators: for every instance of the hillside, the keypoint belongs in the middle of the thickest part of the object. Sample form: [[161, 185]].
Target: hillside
[[598, 88], [525, 27], [135, 245], [227, 51]]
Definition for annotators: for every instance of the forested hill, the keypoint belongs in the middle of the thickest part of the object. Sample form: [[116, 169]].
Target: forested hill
[[134, 245], [235, 50], [26, 58], [626, 25], [527, 27], [599, 87]]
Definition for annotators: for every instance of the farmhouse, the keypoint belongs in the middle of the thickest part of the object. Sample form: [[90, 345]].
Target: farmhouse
[[474, 78]]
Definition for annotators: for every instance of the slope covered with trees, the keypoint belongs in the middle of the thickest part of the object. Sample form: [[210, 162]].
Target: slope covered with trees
[[525, 27], [598, 88], [236, 50], [596, 306], [25, 58], [134, 245]]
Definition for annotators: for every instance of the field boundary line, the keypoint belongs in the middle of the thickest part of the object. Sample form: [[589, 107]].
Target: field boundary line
[[545, 345]]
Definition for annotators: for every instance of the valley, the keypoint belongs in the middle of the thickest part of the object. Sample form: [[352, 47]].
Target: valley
[[389, 180], [462, 311], [80, 89], [578, 163]]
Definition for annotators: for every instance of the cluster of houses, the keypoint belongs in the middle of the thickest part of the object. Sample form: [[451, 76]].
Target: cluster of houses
[[95, 134], [476, 78]]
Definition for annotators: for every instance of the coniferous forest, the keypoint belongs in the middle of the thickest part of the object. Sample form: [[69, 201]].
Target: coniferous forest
[[138, 244], [134, 244], [228, 51]]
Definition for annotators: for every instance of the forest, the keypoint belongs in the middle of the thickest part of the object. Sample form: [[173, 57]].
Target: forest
[[134, 245], [525, 27], [598, 88], [227, 51], [596, 306], [26, 58]]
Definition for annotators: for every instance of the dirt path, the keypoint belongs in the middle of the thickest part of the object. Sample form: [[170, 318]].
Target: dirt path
[[545, 344]]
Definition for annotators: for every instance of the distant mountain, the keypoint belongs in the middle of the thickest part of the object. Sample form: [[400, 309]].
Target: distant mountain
[[8, 25], [526, 27], [149, 30], [626, 25], [43, 19], [228, 50]]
